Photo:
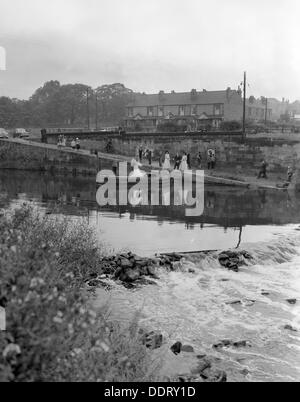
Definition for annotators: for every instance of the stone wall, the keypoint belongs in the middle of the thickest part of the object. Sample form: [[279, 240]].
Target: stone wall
[[231, 151], [29, 156]]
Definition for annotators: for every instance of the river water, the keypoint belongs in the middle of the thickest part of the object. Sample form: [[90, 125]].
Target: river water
[[194, 307]]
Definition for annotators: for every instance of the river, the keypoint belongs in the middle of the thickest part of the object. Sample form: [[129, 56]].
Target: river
[[194, 307]]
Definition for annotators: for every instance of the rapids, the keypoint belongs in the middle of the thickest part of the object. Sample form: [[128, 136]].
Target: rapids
[[195, 308]]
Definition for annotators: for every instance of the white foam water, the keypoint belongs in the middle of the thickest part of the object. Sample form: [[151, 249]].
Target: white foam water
[[204, 303]]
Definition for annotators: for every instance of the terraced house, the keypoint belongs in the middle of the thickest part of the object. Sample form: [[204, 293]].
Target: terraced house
[[194, 110], [257, 109]]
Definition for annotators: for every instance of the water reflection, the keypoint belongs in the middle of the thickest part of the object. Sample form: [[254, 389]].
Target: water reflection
[[223, 206], [232, 211]]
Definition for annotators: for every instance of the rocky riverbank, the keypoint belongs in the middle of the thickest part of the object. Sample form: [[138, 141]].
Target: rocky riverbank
[[132, 270]]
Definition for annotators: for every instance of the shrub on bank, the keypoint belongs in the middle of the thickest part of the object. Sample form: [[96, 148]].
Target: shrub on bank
[[53, 334], [231, 125], [171, 127]]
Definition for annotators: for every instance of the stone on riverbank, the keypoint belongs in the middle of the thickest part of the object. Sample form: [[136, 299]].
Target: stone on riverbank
[[187, 349], [172, 261], [290, 328], [244, 302], [131, 269], [214, 375], [152, 340], [225, 343], [129, 275], [176, 348], [232, 260], [99, 282], [234, 302], [205, 372], [202, 365]]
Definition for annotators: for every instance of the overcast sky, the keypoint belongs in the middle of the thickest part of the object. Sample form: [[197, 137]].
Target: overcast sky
[[152, 45]]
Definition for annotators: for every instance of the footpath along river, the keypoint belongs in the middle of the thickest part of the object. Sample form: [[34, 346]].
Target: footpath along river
[[195, 307]]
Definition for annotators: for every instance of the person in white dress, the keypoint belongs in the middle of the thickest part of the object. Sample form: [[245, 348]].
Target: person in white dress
[[184, 165], [167, 163], [2, 319], [136, 169], [136, 196], [73, 144]]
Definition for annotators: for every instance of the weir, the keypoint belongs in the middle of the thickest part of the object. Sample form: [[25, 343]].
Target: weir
[[29, 155], [35, 156]]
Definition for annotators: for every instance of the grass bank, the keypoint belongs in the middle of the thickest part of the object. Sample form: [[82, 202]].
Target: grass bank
[[53, 334]]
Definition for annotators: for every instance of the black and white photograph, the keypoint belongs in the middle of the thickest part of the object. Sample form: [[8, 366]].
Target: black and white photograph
[[149, 194]]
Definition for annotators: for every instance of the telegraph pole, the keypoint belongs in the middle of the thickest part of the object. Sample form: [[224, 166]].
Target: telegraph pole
[[244, 107], [96, 111], [88, 108], [266, 112]]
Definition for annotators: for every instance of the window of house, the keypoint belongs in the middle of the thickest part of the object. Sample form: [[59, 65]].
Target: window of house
[[181, 111], [161, 111], [193, 110], [130, 111], [150, 111], [218, 110]]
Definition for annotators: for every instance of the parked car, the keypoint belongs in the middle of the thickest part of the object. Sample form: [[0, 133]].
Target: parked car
[[21, 133], [3, 133]]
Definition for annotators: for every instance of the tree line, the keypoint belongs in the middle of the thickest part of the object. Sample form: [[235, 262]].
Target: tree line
[[74, 105]]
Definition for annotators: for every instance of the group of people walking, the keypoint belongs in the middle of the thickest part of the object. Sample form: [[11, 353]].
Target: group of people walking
[[184, 161], [181, 161], [75, 144], [263, 173], [145, 153], [62, 142]]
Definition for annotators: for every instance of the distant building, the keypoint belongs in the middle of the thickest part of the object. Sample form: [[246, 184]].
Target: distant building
[[296, 118], [258, 109], [279, 108], [194, 109]]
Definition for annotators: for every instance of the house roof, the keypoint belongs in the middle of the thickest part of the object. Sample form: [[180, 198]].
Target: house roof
[[183, 98], [171, 116]]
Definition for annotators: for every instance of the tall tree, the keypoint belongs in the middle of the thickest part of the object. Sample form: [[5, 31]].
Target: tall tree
[[56, 105], [113, 99]]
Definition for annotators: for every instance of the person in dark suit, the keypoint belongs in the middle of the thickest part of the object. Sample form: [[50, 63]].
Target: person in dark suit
[[177, 161], [189, 161], [263, 170]]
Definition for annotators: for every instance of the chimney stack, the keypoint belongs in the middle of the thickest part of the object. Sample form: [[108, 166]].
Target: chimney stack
[[193, 93]]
